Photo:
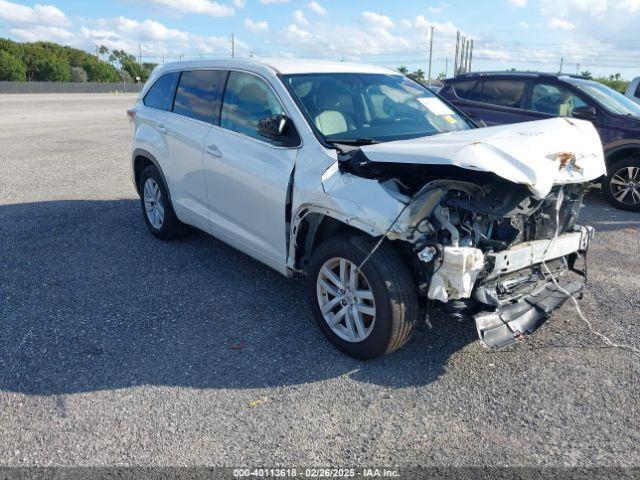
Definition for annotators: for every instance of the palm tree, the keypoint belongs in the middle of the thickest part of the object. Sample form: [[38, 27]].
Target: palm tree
[[403, 70], [586, 73], [102, 51], [418, 75]]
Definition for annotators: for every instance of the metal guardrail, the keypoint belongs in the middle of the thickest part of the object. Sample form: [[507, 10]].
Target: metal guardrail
[[68, 87]]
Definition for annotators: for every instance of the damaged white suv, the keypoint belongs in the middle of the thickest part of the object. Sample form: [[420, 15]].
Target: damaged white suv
[[384, 195]]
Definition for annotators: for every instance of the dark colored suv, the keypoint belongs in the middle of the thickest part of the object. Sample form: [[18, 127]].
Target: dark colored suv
[[508, 97]]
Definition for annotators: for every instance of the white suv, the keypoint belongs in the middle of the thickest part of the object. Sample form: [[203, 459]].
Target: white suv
[[384, 195]]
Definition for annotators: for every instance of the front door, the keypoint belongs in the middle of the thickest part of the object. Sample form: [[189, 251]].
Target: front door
[[247, 176]]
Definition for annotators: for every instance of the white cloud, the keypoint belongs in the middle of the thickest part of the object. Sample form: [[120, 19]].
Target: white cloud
[[316, 7], [240, 3], [300, 19], [294, 32], [16, 15], [267, 2], [438, 8], [518, 3], [377, 20], [42, 33], [255, 26], [155, 38], [204, 7], [559, 24], [523, 25]]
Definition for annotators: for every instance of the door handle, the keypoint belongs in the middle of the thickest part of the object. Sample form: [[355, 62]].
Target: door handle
[[162, 129], [214, 151]]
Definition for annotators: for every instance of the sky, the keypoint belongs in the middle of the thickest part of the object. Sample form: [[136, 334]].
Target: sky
[[601, 36]]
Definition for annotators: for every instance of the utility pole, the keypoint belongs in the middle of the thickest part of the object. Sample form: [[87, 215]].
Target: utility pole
[[446, 67], [233, 45], [139, 54], [163, 58], [470, 56], [561, 62], [463, 56], [577, 69], [455, 61], [430, 55]]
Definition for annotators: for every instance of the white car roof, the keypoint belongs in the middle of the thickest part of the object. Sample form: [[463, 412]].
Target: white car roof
[[282, 65]]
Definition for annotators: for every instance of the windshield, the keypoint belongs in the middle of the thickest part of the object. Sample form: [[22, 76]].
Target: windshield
[[609, 98], [369, 108]]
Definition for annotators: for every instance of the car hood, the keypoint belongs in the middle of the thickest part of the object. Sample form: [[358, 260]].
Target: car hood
[[538, 154]]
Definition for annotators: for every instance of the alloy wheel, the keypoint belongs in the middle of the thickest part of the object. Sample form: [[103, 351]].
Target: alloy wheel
[[153, 204], [346, 299], [625, 185]]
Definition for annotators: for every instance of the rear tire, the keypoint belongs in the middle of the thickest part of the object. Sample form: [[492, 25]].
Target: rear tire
[[621, 187], [156, 207], [384, 286]]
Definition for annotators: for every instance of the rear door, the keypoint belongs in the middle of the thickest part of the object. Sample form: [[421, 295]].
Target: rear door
[[247, 175], [496, 101]]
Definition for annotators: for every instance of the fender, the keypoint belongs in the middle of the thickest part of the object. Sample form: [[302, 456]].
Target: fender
[[139, 152]]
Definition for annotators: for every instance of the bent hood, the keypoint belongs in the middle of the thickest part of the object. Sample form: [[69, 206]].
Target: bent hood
[[538, 154]]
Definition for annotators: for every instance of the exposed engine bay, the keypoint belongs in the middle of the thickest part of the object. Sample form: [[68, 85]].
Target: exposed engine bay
[[478, 241], [486, 218]]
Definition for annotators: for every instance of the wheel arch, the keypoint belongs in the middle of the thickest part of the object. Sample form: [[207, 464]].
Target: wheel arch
[[312, 225], [622, 151], [141, 159]]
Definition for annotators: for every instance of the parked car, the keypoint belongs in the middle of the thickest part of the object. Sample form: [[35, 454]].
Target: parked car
[[509, 97], [633, 90], [382, 194]]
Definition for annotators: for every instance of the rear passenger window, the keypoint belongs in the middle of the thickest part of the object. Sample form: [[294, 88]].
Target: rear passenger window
[[199, 94], [160, 95], [464, 89], [505, 93], [247, 100]]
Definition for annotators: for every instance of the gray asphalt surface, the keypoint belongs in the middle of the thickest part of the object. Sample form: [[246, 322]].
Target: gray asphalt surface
[[116, 348]]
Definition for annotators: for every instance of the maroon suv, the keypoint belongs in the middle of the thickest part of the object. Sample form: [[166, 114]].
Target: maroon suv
[[508, 97]]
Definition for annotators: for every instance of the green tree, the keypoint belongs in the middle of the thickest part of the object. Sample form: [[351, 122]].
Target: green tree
[[403, 70], [418, 76], [98, 71], [11, 68], [52, 69], [586, 74]]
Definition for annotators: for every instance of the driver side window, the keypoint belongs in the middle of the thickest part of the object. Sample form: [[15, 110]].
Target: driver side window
[[247, 100]]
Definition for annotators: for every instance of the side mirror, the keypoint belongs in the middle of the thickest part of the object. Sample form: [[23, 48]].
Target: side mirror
[[273, 127], [585, 113]]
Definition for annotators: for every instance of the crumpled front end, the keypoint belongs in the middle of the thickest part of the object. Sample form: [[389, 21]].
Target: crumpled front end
[[503, 249]]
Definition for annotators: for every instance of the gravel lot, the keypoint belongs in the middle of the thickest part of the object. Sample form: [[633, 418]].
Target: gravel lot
[[116, 348]]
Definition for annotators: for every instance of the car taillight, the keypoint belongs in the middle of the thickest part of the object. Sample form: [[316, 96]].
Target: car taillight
[[131, 113]]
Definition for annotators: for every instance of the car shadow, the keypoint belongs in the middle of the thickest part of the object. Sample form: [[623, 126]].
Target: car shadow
[[89, 300], [606, 218]]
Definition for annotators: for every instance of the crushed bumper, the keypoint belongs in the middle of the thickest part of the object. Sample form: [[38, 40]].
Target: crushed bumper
[[508, 324], [517, 314]]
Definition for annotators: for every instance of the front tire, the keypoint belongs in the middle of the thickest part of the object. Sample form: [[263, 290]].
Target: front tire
[[621, 187], [156, 207], [367, 313]]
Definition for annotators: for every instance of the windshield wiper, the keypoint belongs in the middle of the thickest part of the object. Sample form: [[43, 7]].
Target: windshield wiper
[[353, 141]]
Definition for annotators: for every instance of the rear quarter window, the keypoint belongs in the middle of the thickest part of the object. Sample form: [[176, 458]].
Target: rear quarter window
[[160, 95]]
